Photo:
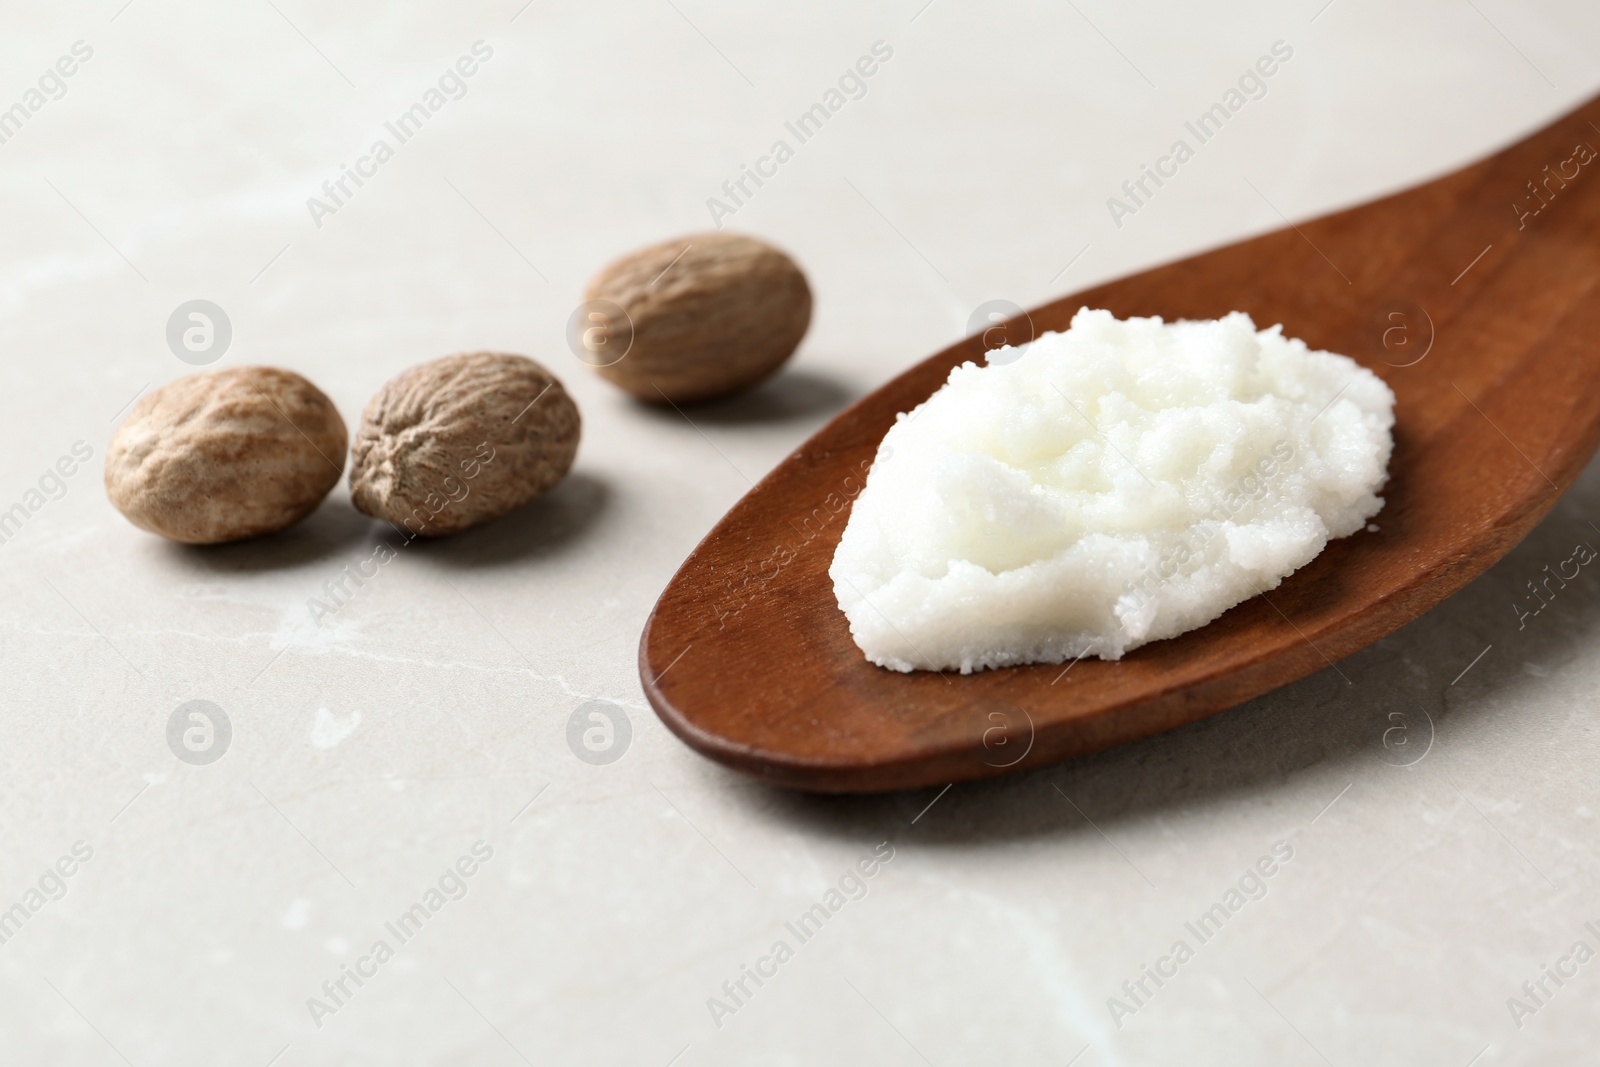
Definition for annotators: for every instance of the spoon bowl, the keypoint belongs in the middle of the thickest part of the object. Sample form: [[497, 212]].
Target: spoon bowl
[[1473, 296]]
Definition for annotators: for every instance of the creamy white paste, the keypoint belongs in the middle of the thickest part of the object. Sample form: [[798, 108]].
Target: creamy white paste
[[1116, 484]]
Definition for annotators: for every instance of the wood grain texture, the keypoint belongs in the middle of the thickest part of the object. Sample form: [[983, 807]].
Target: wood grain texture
[[749, 660]]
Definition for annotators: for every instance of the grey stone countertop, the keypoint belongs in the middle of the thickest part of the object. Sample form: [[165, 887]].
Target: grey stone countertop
[[399, 771]]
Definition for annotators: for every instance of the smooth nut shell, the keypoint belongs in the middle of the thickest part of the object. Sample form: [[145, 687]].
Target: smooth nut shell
[[727, 312], [461, 440], [226, 455]]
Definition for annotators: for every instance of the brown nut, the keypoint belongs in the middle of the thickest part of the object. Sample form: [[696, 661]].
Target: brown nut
[[461, 440], [226, 455], [711, 313]]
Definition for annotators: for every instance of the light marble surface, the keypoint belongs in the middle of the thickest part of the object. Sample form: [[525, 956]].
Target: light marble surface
[[369, 753]]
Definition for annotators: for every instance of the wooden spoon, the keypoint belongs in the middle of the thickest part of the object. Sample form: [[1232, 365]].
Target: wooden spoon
[[1473, 296]]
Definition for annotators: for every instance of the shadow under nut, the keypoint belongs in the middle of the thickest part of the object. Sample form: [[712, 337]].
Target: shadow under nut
[[450, 444], [227, 455], [711, 314]]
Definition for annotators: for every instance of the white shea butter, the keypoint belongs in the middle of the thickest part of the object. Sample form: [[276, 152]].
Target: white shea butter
[[1116, 484]]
